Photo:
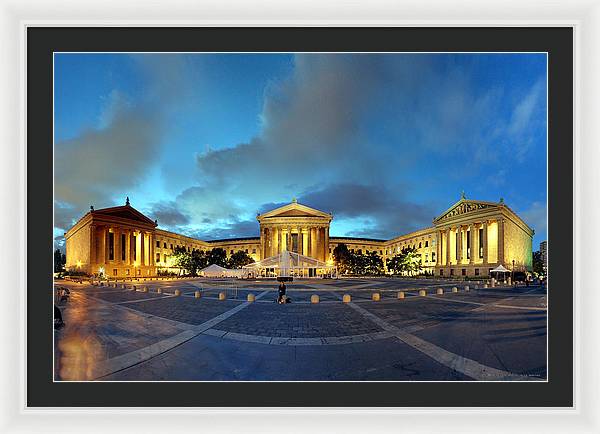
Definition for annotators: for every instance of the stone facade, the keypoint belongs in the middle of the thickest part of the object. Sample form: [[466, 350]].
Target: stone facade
[[468, 239]]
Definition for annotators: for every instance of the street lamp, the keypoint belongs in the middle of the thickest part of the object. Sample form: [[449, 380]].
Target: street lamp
[[513, 273]]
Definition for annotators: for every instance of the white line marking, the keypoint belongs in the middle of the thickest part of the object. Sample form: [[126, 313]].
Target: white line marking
[[127, 360], [453, 361]]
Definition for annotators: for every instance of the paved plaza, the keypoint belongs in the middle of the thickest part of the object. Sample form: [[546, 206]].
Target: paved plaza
[[125, 334]]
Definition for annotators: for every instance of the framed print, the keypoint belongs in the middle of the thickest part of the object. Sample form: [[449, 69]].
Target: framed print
[[346, 218]]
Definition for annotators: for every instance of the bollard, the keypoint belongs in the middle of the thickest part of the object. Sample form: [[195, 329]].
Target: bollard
[[159, 290], [197, 294], [493, 283], [178, 292], [346, 298], [376, 296], [440, 291], [485, 285], [251, 298], [467, 289], [422, 292], [222, 296], [455, 289], [401, 294], [509, 280], [314, 298]]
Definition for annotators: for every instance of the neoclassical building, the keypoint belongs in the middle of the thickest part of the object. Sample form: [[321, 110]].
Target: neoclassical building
[[468, 239]]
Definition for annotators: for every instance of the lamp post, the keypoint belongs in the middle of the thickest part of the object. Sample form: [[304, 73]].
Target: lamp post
[[513, 273]]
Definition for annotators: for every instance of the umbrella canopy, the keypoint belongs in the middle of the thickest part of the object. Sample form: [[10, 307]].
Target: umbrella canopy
[[500, 269]]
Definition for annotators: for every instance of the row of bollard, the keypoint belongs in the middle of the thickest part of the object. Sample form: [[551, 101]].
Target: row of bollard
[[314, 298]]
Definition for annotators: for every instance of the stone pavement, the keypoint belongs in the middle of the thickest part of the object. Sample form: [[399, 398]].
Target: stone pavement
[[116, 334]]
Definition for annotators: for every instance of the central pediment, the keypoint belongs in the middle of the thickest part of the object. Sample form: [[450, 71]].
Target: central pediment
[[294, 209], [126, 212], [464, 206]]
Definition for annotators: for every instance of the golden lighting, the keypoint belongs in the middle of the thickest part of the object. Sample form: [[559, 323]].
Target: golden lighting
[[78, 264]]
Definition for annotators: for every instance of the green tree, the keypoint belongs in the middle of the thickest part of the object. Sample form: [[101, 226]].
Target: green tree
[[217, 256], [239, 259], [374, 263], [183, 259], [342, 259]]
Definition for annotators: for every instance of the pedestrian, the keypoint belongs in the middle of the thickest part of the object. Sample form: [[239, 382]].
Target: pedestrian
[[281, 293]]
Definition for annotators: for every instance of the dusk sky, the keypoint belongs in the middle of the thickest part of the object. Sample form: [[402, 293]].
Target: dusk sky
[[386, 142]]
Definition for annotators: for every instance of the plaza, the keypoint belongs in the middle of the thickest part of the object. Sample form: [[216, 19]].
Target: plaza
[[386, 330]]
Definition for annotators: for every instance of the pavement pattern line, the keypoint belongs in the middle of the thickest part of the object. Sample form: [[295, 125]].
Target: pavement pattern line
[[132, 358], [486, 305], [461, 364], [143, 299], [276, 340]]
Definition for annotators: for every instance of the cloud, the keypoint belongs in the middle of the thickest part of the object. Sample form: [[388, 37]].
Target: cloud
[[111, 159], [168, 215], [387, 213]]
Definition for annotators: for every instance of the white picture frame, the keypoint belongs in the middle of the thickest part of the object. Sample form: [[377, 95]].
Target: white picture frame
[[583, 16]]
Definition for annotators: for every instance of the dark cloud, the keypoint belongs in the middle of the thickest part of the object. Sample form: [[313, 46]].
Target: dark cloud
[[387, 212], [168, 214]]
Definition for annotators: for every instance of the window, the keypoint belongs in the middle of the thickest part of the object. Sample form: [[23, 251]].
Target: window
[[360, 251], [452, 272], [464, 271], [114, 271], [477, 272], [231, 252], [432, 256], [441, 272], [164, 245], [165, 258], [139, 272], [253, 250], [426, 243], [426, 257], [419, 245], [246, 250], [158, 257], [158, 244], [127, 271], [330, 250], [123, 246], [171, 246], [111, 246]]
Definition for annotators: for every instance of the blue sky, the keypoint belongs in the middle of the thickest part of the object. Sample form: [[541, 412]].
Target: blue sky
[[386, 142]]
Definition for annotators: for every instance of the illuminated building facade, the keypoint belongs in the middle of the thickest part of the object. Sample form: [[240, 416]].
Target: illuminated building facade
[[468, 239]]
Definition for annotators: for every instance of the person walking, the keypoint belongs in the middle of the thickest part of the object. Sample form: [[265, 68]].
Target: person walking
[[281, 293]]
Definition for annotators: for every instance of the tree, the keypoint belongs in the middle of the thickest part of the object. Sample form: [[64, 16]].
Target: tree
[[374, 263], [407, 261], [217, 256], [183, 259], [239, 259], [59, 261], [342, 258]]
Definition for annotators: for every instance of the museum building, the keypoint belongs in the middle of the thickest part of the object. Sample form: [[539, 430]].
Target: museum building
[[468, 239]]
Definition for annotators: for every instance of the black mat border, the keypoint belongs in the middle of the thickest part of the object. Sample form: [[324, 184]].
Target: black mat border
[[43, 41]]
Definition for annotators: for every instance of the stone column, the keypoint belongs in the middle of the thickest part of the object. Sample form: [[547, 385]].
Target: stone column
[[151, 246], [459, 247], [318, 244], [438, 247], [142, 250], [313, 251], [131, 247], [283, 239], [92, 247], [326, 246], [448, 256], [471, 245], [106, 247], [501, 241], [305, 241], [485, 243]]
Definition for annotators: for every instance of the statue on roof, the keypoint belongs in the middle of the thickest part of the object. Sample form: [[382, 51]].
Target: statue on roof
[[462, 195], [91, 207], [294, 200], [127, 201]]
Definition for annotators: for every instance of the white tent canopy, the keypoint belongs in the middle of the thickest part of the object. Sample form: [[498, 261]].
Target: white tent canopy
[[214, 270], [290, 264], [499, 269]]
